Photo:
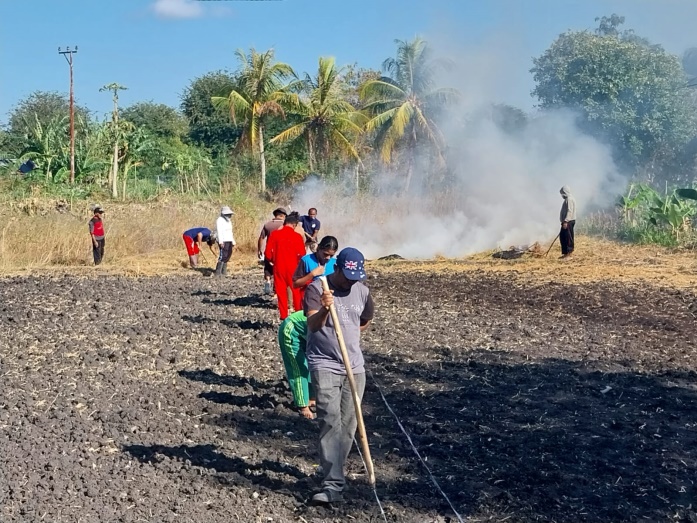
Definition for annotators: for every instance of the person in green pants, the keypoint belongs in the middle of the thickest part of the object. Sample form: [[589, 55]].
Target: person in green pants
[[292, 335]]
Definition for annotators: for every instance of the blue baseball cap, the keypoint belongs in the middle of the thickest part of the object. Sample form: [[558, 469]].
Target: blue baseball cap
[[352, 264]]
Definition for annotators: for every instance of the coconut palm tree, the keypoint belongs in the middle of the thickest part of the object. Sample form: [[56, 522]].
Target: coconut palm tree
[[261, 83], [327, 122], [402, 103]]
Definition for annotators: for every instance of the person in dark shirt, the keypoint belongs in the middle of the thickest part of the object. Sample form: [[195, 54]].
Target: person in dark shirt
[[96, 228], [311, 227], [193, 239]]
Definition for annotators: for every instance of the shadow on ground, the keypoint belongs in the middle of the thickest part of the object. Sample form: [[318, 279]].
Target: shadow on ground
[[543, 440], [253, 301]]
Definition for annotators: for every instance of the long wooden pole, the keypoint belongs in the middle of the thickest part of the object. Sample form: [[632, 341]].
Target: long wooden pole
[[362, 436], [68, 55], [72, 125]]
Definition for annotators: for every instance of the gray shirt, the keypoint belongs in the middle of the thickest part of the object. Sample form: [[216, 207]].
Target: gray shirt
[[353, 307]]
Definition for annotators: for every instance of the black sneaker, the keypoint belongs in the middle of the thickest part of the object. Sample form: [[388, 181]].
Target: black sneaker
[[328, 496]]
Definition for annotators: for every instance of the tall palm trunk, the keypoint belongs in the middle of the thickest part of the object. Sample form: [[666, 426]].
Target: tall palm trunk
[[262, 158], [310, 151], [411, 160], [115, 170], [125, 177]]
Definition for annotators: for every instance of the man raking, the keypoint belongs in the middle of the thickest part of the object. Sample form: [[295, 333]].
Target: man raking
[[193, 239], [335, 407]]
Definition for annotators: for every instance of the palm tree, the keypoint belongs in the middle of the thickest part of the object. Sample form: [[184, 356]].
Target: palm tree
[[401, 103], [260, 86], [327, 119]]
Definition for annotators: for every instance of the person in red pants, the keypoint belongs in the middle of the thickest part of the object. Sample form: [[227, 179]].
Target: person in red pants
[[284, 249]]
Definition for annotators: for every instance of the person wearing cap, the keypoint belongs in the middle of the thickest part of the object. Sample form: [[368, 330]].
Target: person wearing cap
[[335, 409], [279, 215], [226, 241], [311, 227], [283, 251], [193, 239], [96, 228]]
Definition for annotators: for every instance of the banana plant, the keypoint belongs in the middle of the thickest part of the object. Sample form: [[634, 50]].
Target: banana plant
[[689, 194], [673, 211], [135, 145], [637, 195], [45, 144]]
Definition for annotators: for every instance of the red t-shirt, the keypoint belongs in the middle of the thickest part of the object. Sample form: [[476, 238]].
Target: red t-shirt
[[96, 226], [284, 249]]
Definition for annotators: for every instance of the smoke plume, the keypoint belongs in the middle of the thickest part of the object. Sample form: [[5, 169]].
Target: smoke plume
[[502, 187]]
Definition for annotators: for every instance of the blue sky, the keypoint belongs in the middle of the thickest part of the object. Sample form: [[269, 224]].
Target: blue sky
[[155, 47]]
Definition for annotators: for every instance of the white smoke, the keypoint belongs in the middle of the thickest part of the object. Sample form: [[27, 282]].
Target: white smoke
[[503, 190]]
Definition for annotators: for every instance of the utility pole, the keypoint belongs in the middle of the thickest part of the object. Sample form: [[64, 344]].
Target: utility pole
[[68, 55]]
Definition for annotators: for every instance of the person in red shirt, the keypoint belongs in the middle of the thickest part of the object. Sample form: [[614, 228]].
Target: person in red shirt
[[284, 249], [96, 228]]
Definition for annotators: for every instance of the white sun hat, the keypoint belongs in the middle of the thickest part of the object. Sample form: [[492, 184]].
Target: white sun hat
[[226, 210]]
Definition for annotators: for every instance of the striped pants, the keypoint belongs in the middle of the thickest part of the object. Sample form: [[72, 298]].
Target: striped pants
[[292, 338]]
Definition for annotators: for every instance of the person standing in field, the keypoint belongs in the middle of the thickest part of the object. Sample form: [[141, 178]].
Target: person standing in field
[[96, 228], [279, 215], [311, 227], [567, 217], [335, 409], [226, 241], [316, 264], [292, 337], [193, 239], [283, 251]]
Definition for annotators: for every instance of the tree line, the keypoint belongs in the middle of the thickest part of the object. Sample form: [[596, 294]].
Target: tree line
[[265, 126]]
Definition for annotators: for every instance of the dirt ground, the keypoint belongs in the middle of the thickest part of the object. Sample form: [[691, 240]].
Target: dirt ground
[[162, 399]]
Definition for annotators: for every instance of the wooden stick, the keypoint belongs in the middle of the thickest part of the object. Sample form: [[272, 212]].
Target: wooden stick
[[362, 436], [552, 244]]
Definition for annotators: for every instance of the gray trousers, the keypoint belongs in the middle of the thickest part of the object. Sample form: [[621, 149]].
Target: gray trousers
[[337, 423]]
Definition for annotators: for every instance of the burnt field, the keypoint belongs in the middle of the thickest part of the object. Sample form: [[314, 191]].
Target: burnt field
[[163, 399]]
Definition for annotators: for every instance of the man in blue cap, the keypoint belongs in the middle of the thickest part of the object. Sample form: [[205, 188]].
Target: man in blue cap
[[335, 409]]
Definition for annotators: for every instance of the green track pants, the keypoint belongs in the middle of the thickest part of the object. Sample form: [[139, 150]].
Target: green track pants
[[292, 338]]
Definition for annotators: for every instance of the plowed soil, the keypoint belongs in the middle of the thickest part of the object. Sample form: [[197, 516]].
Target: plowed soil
[[163, 399]]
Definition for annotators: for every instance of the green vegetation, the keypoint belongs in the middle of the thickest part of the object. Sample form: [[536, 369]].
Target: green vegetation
[[644, 215], [628, 92], [264, 128]]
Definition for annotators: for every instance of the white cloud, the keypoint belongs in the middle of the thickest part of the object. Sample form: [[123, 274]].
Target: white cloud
[[177, 8]]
